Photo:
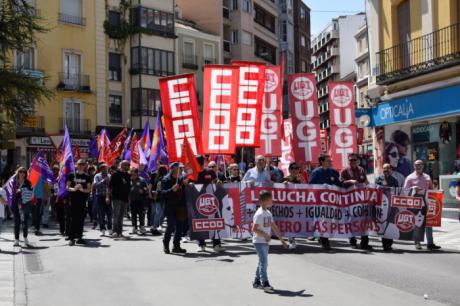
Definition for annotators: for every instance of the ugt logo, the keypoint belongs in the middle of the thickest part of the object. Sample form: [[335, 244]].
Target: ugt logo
[[207, 204]]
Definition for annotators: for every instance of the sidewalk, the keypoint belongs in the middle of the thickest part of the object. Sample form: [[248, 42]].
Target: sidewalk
[[448, 235]]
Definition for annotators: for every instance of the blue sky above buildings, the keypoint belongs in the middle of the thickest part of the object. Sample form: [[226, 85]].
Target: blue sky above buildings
[[322, 11]]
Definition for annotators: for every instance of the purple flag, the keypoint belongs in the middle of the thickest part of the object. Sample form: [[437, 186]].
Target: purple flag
[[127, 147], [39, 169], [144, 141], [10, 189], [66, 164], [93, 151], [142, 159], [158, 150]]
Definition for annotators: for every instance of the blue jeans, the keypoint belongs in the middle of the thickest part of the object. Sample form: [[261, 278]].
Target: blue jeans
[[262, 252], [104, 210], [429, 235], [156, 214]]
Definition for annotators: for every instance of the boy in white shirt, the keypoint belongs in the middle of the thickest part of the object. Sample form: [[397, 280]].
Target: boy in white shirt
[[261, 229]]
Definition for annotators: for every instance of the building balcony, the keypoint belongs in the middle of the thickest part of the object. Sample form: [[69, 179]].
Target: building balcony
[[143, 112], [225, 12], [32, 125], [77, 20], [74, 82], [226, 44], [431, 52], [325, 124], [33, 73], [189, 62], [76, 126], [209, 61], [326, 73], [320, 42], [322, 92]]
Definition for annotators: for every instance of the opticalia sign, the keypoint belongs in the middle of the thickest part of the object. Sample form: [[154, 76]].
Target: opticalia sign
[[180, 113], [220, 95], [343, 125], [305, 120], [272, 114]]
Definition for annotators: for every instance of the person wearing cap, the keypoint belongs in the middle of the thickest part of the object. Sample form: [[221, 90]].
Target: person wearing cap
[[79, 187], [421, 183], [258, 176], [172, 190], [104, 208], [354, 175], [157, 204], [387, 180], [118, 194], [292, 178], [137, 199], [325, 174]]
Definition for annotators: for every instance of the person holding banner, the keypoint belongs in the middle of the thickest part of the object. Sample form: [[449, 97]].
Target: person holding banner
[[325, 174], [350, 176], [100, 183], [387, 180], [292, 178], [22, 205], [258, 176], [421, 182], [172, 190]]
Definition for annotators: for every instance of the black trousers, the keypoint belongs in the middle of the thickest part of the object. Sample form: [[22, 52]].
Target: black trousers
[[364, 241], [387, 243], [17, 220], [137, 212], [173, 225], [77, 219], [61, 210], [37, 214]]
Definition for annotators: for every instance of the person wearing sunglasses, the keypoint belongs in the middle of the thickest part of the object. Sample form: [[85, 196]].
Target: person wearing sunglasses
[[352, 175], [292, 178], [420, 182], [22, 206], [234, 174], [391, 157]]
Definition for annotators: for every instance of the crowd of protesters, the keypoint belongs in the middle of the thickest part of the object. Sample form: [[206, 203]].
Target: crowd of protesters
[[107, 195]]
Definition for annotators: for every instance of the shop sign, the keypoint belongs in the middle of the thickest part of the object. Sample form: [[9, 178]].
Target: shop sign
[[421, 133], [40, 141]]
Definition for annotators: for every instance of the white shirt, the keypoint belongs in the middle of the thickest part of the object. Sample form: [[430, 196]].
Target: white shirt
[[262, 217], [260, 178]]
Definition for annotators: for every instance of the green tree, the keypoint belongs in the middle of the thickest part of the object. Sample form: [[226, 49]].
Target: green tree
[[19, 89]]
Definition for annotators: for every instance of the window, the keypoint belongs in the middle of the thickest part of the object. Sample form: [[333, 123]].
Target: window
[[246, 38], [114, 18], [152, 61], [72, 64], [302, 40], [157, 21], [72, 115], [283, 30], [26, 59], [208, 54], [264, 50], [302, 12], [145, 102], [189, 53], [115, 114], [264, 18], [114, 67], [234, 37], [304, 66], [283, 6], [246, 6], [71, 12], [290, 62], [234, 5]]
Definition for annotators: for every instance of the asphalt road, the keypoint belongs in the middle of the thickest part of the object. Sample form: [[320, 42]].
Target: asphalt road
[[136, 272]]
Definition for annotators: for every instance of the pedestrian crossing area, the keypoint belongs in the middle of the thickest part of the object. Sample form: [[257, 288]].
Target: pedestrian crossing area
[[7, 269], [448, 235]]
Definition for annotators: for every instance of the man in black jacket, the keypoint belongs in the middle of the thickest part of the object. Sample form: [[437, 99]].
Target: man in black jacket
[[119, 187], [173, 191]]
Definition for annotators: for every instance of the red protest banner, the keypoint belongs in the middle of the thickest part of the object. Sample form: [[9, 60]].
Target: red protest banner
[[433, 216], [250, 95], [271, 132], [343, 125], [220, 95], [287, 155], [180, 113], [304, 114]]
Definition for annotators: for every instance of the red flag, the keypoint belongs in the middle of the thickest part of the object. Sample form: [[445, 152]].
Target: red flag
[[220, 95], [134, 152], [116, 146], [192, 167], [305, 120], [250, 95], [271, 131], [103, 145], [180, 113], [77, 153], [286, 145], [343, 125], [434, 213]]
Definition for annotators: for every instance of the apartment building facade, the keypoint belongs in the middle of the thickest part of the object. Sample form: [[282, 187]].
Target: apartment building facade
[[65, 55], [302, 38]]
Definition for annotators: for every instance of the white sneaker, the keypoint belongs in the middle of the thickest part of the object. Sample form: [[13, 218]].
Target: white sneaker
[[143, 231], [202, 248], [16, 243], [292, 245], [185, 240], [218, 249], [103, 233], [110, 232], [26, 242], [114, 235]]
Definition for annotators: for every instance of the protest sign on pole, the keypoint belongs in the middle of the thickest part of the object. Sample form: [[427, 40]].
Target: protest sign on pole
[[305, 120], [220, 95], [180, 113], [251, 89], [287, 156], [343, 125], [434, 213], [271, 132]]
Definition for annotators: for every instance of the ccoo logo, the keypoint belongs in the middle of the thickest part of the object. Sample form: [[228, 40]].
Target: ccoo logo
[[302, 88], [207, 204], [341, 95]]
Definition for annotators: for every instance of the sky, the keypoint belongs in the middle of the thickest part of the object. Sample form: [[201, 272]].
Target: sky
[[322, 11]]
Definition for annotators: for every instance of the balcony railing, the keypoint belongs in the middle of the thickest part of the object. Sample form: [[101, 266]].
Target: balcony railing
[[72, 19], [74, 82], [31, 125], [76, 126], [189, 61], [209, 61], [226, 46], [144, 112], [225, 12], [430, 52]]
